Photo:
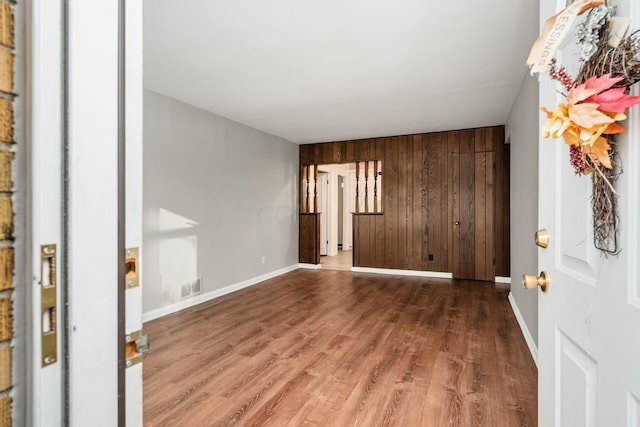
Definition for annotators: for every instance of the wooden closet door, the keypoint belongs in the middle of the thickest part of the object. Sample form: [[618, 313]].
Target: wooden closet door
[[472, 215], [484, 235]]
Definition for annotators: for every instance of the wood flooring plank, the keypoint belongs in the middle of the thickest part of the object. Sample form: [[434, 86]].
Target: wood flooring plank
[[335, 348]]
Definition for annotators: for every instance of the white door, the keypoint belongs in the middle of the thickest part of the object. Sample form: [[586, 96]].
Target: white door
[[323, 208], [45, 349], [589, 337]]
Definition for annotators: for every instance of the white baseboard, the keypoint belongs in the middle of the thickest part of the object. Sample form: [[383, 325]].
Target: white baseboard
[[500, 279], [418, 273], [309, 266], [199, 299], [533, 348]]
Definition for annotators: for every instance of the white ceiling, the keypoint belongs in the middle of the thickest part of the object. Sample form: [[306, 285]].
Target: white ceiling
[[315, 71]]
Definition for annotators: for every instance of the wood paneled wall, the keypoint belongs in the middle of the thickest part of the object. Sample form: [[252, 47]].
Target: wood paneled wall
[[415, 229]]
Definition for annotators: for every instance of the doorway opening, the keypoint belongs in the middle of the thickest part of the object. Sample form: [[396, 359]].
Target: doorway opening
[[343, 189]]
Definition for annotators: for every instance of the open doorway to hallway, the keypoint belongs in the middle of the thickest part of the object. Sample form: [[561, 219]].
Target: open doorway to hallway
[[343, 189], [335, 217]]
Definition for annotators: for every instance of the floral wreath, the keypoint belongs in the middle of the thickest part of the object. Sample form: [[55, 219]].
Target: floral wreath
[[597, 99]]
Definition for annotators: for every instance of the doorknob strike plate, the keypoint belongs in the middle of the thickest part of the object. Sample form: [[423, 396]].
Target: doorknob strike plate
[[132, 275], [48, 304]]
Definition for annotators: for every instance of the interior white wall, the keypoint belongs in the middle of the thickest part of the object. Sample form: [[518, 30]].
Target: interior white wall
[[218, 197], [522, 130]]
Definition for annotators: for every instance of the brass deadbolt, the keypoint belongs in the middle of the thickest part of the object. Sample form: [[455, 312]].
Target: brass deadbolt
[[529, 281], [542, 238]]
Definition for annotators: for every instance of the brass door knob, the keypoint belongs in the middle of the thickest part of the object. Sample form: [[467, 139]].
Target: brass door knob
[[456, 222], [529, 281], [542, 238]]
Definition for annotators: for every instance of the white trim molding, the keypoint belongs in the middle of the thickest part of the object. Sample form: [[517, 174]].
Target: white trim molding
[[500, 279], [435, 274], [309, 266], [217, 293], [533, 348]]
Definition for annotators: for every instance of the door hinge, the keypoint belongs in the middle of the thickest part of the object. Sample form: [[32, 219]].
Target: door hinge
[[136, 346], [132, 276]]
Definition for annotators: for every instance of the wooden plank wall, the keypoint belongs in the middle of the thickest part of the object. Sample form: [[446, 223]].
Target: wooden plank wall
[[414, 231]]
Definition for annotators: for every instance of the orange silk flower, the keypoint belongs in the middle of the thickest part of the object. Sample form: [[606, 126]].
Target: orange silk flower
[[592, 111]]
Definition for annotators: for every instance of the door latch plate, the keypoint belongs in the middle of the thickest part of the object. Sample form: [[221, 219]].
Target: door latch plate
[[132, 276], [48, 304], [135, 347]]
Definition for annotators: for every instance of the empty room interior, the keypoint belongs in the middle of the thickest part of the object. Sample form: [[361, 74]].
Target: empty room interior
[[338, 204], [286, 213]]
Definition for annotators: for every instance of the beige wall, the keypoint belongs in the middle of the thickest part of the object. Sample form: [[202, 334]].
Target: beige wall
[[523, 133], [218, 196]]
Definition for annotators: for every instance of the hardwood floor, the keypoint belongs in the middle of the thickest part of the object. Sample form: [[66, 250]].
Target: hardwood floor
[[337, 348], [343, 261]]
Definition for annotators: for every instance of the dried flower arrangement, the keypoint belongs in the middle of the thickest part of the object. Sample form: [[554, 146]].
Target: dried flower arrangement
[[596, 100]]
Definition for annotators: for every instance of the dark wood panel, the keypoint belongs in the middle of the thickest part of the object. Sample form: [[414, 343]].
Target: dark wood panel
[[479, 215], [380, 241], [368, 243], [438, 219], [418, 225], [417, 197], [309, 238], [391, 202], [402, 216], [502, 216], [489, 183], [453, 144], [333, 348]]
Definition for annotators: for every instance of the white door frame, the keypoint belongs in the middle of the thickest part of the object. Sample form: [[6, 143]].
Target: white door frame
[[323, 208], [133, 194], [95, 252], [43, 83]]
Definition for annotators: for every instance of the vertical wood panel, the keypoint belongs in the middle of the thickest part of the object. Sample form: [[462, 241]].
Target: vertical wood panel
[[480, 220], [454, 203], [401, 259], [480, 141], [391, 202], [467, 141], [380, 240], [309, 238], [502, 211], [438, 161], [464, 234], [453, 146], [355, 240], [417, 229], [363, 243], [489, 260], [445, 223], [410, 259]]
